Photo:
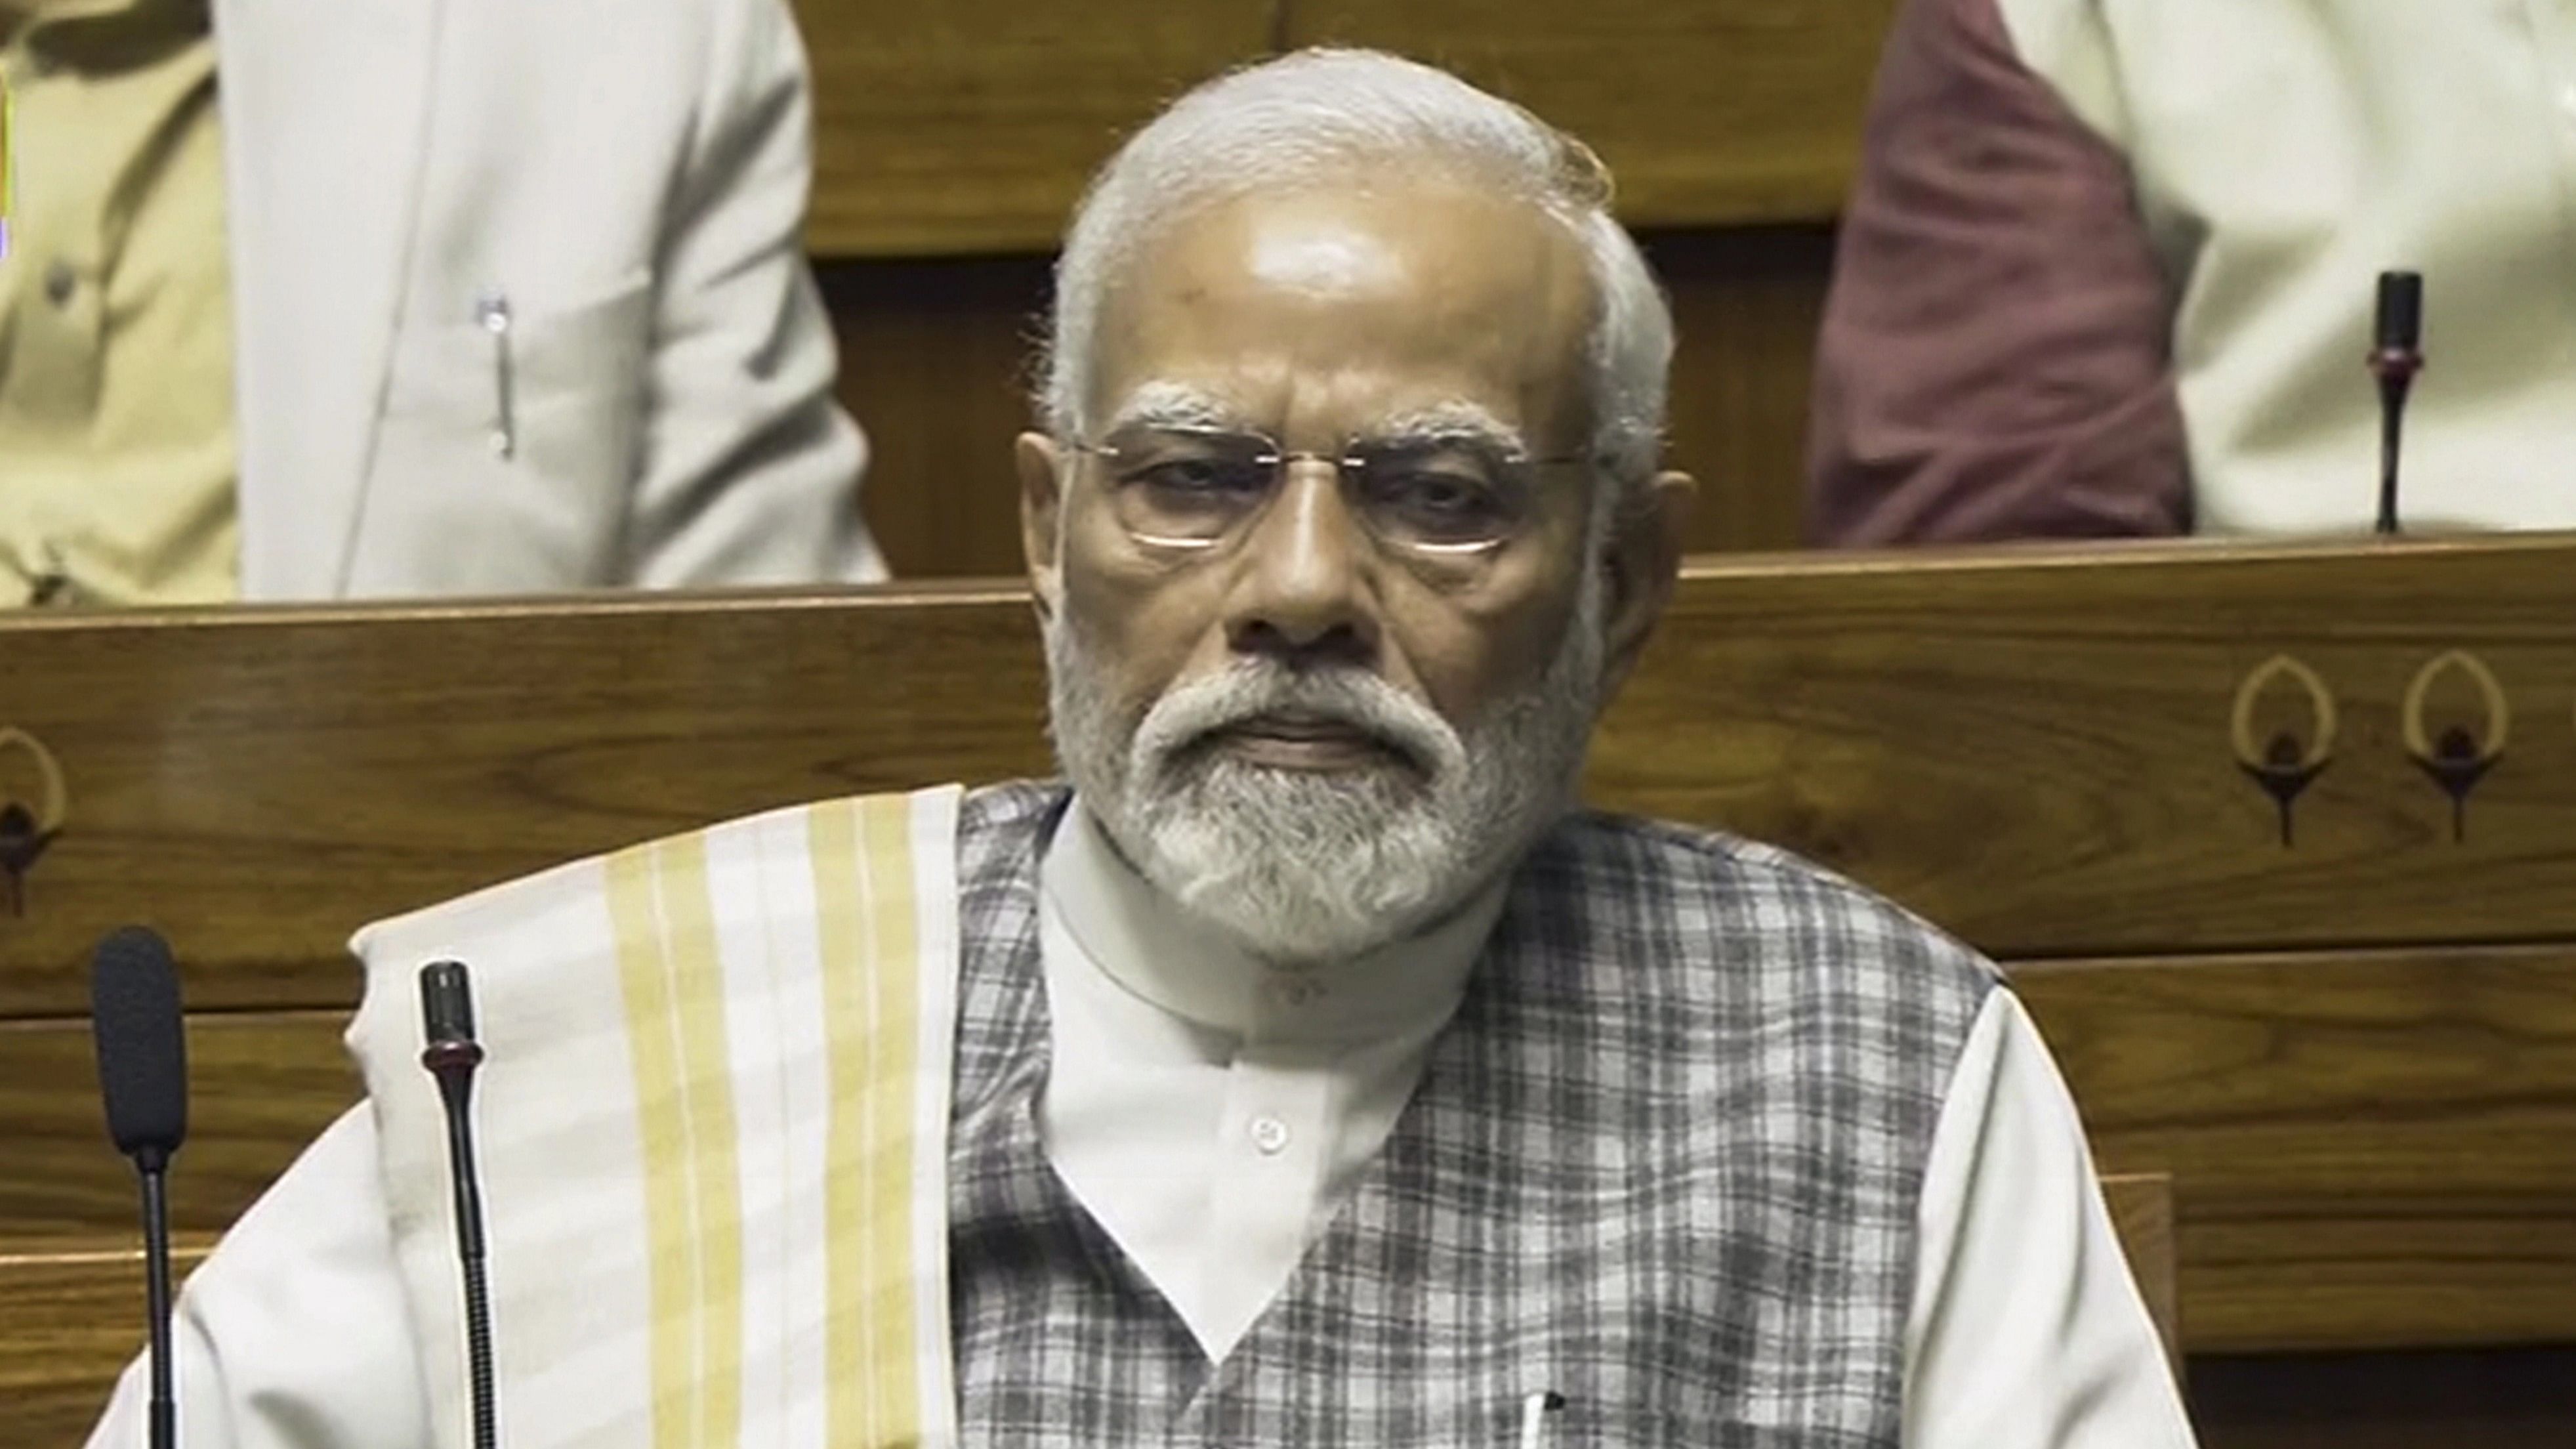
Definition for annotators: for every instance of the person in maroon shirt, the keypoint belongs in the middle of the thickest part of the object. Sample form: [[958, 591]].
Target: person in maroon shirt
[[1995, 360]]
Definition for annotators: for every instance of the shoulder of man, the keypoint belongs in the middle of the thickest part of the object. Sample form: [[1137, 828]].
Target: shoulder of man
[[1727, 902], [994, 822]]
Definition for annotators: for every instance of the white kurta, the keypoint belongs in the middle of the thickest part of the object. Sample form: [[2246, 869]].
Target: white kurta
[[2283, 154], [1212, 1115]]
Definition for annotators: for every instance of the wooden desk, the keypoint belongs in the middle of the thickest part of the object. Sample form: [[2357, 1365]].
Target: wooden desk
[[2355, 1053]]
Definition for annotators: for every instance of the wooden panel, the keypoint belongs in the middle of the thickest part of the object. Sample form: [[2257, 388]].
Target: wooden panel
[[2034, 754], [1746, 305], [936, 357], [2142, 1213], [75, 1319], [2358, 1143], [261, 1086], [2483, 1399], [971, 125], [936, 361], [1710, 113], [258, 783], [964, 128], [2033, 746]]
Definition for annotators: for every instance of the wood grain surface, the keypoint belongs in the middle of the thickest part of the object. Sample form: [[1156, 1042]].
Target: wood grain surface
[[257, 785], [261, 1086], [2521, 1398], [971, 125], [2367, 1149], [74, 1320], [1746, 305], [2032, 746], [1710, 113], [936, 361]]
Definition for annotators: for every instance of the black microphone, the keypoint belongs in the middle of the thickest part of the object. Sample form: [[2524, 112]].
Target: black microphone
[[143, 1077], [452, 1054], [2396, 355]]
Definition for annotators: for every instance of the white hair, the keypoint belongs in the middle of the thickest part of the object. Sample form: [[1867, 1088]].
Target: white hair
[[1315, 114]]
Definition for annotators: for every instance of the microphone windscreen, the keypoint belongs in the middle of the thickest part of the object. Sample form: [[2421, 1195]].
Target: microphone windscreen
[[2401, 311], [142, 1042], [446, 1002]]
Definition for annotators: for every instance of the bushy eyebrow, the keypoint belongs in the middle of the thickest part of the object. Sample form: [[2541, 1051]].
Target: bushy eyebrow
[[1452, 420], [1176, 405], [1173, 405]]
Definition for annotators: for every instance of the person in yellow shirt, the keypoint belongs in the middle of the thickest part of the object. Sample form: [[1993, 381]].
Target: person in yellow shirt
[[407, 297]]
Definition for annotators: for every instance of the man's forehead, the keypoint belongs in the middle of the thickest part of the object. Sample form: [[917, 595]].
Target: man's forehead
[[1399, 294], [1324, 255], [1428, 243]]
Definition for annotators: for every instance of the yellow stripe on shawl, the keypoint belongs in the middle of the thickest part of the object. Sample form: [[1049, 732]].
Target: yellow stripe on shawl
[[863, 893], [659, 905]]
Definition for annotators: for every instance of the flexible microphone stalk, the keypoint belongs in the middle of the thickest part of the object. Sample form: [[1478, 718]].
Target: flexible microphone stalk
[[2396, 355], [143, 1079], [452, 1054]]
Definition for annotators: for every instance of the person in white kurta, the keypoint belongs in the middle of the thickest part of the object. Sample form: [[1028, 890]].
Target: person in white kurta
[[2109, 268], [1212, 1117], [1344, 530]]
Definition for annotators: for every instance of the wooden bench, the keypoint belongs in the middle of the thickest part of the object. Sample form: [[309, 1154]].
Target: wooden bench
[[2354, 1053], [969, 127]]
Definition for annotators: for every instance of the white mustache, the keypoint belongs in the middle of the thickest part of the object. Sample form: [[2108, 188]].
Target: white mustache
[[1253, 688]]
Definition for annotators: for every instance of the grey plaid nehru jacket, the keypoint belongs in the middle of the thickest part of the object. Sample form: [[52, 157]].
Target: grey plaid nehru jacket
[[1664, 1161]]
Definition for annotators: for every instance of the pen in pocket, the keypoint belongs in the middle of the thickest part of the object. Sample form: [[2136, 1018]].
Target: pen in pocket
[[492, 310]]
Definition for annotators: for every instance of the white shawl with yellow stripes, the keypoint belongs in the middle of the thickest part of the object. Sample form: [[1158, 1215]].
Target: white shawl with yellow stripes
[[713, 1129]]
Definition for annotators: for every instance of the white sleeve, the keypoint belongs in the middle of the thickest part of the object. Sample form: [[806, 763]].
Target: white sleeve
[[294, 1333], [2027, 1330], [750, 470]]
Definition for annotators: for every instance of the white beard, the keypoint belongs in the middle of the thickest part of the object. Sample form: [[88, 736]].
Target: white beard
[[1301, 867]]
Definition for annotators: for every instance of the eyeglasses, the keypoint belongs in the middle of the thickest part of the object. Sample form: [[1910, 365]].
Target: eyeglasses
[[1440, 495]]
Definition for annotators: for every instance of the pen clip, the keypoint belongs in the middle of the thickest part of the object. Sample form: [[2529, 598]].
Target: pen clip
[[492, 313], [52, 585], [1534, 1411]]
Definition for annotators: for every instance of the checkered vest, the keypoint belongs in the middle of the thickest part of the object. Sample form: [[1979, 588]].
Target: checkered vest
[[1664, 1161]]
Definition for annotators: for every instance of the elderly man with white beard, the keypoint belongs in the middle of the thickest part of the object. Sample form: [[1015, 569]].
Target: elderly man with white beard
[[1308, 1070]]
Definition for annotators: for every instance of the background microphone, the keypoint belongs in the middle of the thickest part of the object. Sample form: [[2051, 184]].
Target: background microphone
[[143, 1076], [2396, 355], [452, 1054]]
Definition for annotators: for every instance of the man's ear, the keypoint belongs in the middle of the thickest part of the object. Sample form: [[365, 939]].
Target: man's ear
[[1643, 559], [1039, 460]]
